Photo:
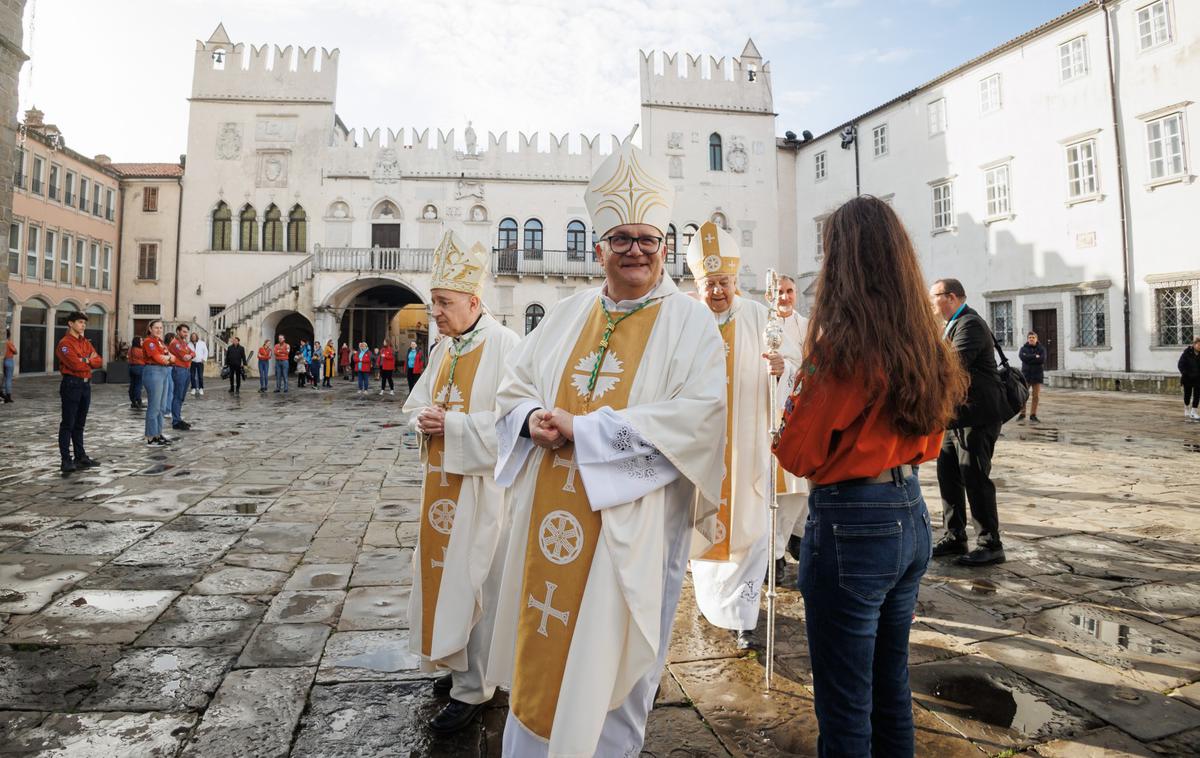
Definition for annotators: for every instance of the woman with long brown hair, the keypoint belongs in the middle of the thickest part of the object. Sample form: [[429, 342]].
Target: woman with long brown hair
[[877, 388]]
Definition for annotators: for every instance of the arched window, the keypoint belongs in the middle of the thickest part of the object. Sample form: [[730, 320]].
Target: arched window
[[670, 241], [508, 235], [714, 152], [273, 230], [222, 227], [248, 229], [689, 231], [533, 316], [533, 238], [297, 230], [576, 241]]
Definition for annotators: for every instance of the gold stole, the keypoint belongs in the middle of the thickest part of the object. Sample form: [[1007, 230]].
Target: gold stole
[[441, 489], [720, 549], [563, 528]]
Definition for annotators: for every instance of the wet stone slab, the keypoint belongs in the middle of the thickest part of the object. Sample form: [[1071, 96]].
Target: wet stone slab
[[52, 678], [231, 506], [156, 505], [28, 582], [375, 608], [1102, 743], [89, 537], [252, 714], [284, 645], [306, 606], [234, 580], [371, 718], [177, 547], [162, 679], [383, 567], [26, 525], [113, 577], [66, 735], [95, 617], [320, 576], [994, 707], [356, 656], [1158, 657], [277, 537], [674, 732]]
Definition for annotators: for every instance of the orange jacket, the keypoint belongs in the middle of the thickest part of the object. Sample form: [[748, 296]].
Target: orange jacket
[[282, 351], [183, 352], [77, 357], [264, 353], [155, 352]]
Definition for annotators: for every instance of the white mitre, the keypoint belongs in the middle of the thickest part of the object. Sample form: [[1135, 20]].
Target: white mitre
[[712, 251], [457, 268], [625, 190]]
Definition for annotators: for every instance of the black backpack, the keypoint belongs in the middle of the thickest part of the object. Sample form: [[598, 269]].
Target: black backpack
[[1016, 390]]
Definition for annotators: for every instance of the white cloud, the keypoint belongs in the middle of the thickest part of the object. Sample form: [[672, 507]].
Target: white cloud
[[875, 55]]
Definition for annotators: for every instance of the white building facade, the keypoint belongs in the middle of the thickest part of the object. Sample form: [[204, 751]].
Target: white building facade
[[292, 223], [1055, 182]]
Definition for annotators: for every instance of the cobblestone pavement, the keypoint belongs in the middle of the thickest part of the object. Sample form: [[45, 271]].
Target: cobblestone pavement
[[243, 593]]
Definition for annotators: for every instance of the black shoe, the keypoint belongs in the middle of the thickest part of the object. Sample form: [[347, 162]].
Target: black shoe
[[983, 556], [231, 390], [747, 640], [455, 716], [165, 440], [1034, 420], [85, 462], [182, 425], [950, 545], [780, 567], [442, 685], [68, 466], [276, 390], [793, 546], [1021, 416]]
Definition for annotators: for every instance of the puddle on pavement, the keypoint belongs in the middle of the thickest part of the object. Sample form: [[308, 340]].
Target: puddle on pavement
[[228, 434], [156, 469], [1080, 624], [325, 580], [10, 596], [979, 697], [983, 587]]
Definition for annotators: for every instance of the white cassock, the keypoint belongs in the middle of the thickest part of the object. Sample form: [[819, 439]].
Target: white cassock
[[470, 566], [650, 469], [793, 494], [727, 591]]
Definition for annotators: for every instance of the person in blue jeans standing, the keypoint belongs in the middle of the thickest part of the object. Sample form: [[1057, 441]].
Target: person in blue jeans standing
[[878, 386], [283, 352], [156, 377], [10, 353], [181, 375], [264, 365]]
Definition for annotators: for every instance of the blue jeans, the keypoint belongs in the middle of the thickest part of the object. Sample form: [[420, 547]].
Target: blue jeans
[[364, 379], [864, 552], [8, 375], [181, 376], [264, 371], [281, 376], [156, 379], [197, 375], [135, 383]]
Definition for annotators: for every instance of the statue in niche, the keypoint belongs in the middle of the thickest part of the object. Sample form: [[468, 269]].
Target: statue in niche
[[429, 213], [229, 142], [675, 165], [387, 166], [478, 213], [468, 188], [738, 160], [675, 141], [471, 139]]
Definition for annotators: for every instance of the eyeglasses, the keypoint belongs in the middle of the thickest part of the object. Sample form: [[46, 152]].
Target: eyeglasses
[[622, 244], [940, 294]]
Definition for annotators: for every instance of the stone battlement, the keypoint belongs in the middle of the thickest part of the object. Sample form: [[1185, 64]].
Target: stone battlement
[[742, 85], [225, 70]]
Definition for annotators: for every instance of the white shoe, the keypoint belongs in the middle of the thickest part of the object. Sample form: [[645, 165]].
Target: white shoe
[[201, 392], [193, 393], [392, 393], [1187, 412], [380, 392]]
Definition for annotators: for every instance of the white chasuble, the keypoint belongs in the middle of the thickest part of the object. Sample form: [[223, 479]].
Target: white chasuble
[[793, 490], [591, 577], [729, 576], [463, 510]]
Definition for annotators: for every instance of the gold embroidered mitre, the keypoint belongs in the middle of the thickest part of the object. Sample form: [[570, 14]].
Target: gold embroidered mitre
[[625, 190], [713, 251], [457, 268]]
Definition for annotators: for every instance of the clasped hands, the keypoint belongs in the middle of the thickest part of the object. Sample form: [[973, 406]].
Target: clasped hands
[[551, 429], [432, 421]]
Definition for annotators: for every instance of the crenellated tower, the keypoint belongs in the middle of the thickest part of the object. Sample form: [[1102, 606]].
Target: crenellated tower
[[225, 70], [741, 84]]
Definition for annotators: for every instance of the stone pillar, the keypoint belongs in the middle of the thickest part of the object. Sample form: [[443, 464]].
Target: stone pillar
[[325, 327], [11, 57]]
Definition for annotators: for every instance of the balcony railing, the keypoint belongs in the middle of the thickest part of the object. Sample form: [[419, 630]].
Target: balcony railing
[[533, 262], [405, 259]]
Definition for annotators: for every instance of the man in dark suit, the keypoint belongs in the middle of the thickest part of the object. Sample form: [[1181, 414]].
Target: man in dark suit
[[965, 464], [235, 359]]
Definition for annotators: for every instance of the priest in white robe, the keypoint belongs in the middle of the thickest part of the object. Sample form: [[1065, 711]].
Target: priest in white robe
[[793, 490], [461, 541], [611, 421], [728, 577]]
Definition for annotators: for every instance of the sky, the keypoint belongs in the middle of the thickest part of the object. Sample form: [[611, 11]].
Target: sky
[[115, 75]]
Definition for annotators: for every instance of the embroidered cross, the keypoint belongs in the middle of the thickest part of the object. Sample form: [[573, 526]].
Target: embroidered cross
[[440, 469], [548, 609], [569, 465], [708, 238], [435, 563]]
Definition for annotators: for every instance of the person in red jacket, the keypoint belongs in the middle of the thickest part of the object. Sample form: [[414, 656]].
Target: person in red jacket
[[137, 364], [344, 361], [387, 364], [282, 353], [362, 367], [264, 365], [76, 359], [181, 349], [414, 364]]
